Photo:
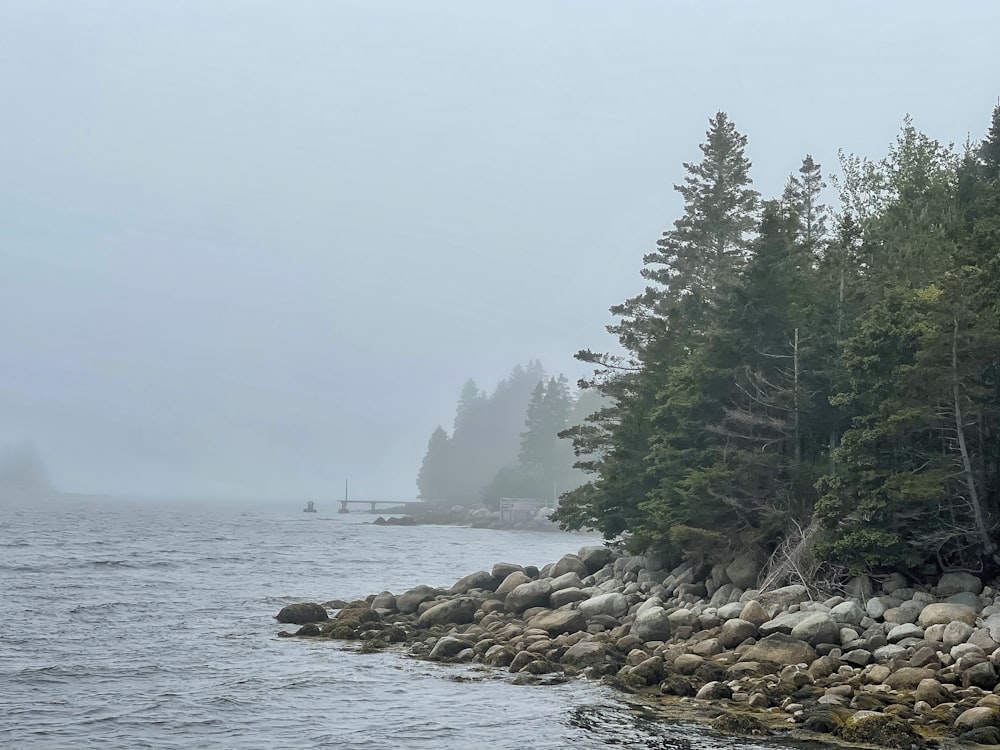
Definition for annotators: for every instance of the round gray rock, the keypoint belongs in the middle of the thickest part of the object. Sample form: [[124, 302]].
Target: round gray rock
[[652, 624], [943, 613], [454, 611], [569, 564], [733, 632], [594, 557], [481, 579], [559, 621], [954, 583], [612, 604], [512, 581], [531, 594], [817, 628]]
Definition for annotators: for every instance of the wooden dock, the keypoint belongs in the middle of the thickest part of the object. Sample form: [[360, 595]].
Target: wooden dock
[[373, 504]]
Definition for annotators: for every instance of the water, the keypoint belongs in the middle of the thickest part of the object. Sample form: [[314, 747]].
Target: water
[[139, 625]]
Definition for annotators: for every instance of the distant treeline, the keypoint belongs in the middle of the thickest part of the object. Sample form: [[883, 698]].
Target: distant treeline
[[818, 384], [506, 444]]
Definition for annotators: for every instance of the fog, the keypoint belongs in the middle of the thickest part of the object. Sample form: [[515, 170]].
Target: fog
[[250, 249]]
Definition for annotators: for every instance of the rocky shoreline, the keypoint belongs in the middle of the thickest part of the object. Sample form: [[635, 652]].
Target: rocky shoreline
[[888, 664], [476, 517]]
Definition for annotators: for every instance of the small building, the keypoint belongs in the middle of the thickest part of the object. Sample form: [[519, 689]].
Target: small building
[[515, 510]]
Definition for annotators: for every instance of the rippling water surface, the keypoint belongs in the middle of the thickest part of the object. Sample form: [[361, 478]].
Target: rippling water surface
[[141, 625]]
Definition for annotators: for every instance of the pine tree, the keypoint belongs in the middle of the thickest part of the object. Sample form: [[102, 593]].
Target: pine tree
[[660, 327], [989, 149], [802, 204], [708, 244]]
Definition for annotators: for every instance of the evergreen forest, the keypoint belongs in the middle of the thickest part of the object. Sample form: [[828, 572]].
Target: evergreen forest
[[506, 444], [813, 377]]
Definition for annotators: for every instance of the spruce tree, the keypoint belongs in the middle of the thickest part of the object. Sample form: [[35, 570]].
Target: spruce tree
[[435, 477], [658, 329]]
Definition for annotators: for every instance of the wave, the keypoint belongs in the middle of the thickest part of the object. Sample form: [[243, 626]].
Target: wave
[[16, 543], [22, 568]]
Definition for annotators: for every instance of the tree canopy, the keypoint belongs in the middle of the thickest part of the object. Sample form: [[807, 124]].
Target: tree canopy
[[795, 376], [506, 444]]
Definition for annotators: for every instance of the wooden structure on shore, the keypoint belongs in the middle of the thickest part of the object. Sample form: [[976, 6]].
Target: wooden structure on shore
[[520, 509]]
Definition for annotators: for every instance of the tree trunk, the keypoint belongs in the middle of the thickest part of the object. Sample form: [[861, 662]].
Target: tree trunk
[[795, 396], [977, 509]]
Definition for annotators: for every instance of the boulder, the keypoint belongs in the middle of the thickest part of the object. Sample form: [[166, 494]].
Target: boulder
[[569, 564], [611, 604], [973, 718], [567, 596], [566, 581], [907, 678], [586, 653], [992, 623], [499, 655], [963, 650], [783, 597], [531, 594], [650, 671], [410, 600], [652, 624], [734, 632], [982, 675], [447, 647], [934, 633], [302, 612], [877, 606], [890, 651], [817, 628], [943, 613], [858, 657], [502, 570], [860, 587], [780, 649], [753, 612], [478, 580], [451, 611], [594, 558], [848, 613], [930, 691], [385, 601], [559, 621], [880, 730], [794, 676], [512, 581], [967, 598], [688, 664], [707, 648], [714, 690], [983, 638], [725, 594], [744, 570], [906, 630], [731, 610], [902, 614], [681, 617], [956, 583], [925, 656], [956, 632], [783, 623], [893, 581]]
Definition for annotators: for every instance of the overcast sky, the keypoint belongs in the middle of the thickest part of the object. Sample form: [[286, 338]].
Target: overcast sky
[[248, 249]]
